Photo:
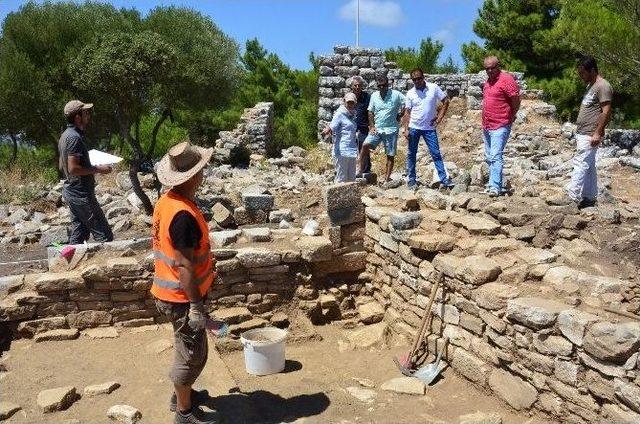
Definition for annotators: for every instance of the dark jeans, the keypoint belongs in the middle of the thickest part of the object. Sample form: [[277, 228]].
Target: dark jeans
[[361, 135], [87, 218], [431, 139]]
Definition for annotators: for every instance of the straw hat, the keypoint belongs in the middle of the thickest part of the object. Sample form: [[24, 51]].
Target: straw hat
[[182, 162]]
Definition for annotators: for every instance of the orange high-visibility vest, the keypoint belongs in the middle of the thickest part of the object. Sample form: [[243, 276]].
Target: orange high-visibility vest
[[166, 281]]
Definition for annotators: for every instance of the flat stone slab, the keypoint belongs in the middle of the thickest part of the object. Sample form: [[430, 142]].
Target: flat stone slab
[[57, 335], [59, 281], [224, 238], [7, 409], [159, 346], [101, 333], [362, 394], [233, 315], [534, 312], [535, 256], [478, 270], [254, 258], [477, 225], [257, 234], [432, 242], [516, 392], [405, 385], [101, 389], [57, 399], [124, 414], [480, 418], [369, 336]]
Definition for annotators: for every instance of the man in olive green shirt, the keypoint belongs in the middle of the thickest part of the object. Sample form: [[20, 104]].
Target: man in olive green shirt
[[594, 115]]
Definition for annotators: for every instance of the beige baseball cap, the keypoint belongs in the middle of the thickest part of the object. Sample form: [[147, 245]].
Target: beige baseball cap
[[350, 97], [74, 106]]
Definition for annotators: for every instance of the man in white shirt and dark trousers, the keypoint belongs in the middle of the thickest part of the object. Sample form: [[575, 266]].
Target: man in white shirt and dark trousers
[[420, 119]]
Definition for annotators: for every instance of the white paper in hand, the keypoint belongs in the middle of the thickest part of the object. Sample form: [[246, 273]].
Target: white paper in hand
[[102, 158]]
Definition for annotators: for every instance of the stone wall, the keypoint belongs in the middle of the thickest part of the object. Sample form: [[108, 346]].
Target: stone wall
[[108, 284], [338, 69], [519, 321], [253, 135]]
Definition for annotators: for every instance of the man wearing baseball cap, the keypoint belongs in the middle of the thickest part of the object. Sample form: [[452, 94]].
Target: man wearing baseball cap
[[79, 187]]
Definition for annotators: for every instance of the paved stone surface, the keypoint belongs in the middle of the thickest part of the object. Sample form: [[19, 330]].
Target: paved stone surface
[[516, 392], [101, 389], [612, 342], [57, 399], [534, 312], [124, 414], [404, 385]]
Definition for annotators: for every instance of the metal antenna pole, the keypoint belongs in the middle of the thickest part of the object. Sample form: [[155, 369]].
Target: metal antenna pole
[[358, 23]]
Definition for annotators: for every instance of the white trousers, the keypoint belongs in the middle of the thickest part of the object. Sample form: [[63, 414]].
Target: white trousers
[[584, 179]]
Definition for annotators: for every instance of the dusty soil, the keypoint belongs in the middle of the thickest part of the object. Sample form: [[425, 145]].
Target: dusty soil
[[311, 390]]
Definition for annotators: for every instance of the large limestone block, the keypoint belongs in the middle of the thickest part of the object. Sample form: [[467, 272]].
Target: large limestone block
[[405, 220], [57, 399], [478, 270], [432, 242], [612, 342], [534, 312], [342, 195], [477, 225], [494, 296], [254, 258], [516, 392], [404, 385], [58, 281], [573, 323], [89, 319], [315, 249], [473, 368]]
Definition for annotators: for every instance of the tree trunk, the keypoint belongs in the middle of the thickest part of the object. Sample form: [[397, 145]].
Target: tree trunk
[[134, 166], [14, 150], [154, 134]]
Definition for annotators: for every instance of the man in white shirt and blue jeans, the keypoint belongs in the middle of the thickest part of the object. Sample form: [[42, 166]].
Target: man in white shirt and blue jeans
[[421, 117]]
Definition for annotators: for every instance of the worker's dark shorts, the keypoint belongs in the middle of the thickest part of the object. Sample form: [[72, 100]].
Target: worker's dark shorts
[[191, 348]]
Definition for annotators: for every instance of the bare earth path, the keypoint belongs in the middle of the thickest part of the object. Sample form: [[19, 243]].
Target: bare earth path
[[311, 390]]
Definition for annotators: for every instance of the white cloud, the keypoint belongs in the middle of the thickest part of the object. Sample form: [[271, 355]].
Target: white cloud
[[447, 33], [373, 12]]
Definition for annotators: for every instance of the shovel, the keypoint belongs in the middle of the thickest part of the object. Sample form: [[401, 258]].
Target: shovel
[[428, 373], [406, 363]]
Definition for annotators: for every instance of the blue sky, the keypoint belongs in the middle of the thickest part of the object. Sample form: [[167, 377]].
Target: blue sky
[[294, 28]]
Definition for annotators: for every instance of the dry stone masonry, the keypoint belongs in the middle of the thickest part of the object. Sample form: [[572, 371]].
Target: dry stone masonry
[[253, 135], [338, 69]]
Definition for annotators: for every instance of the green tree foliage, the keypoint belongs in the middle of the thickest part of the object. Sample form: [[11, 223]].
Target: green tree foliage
[[519, 33], [425, 57]]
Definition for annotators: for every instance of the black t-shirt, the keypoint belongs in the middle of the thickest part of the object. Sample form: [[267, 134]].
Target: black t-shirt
[[71, 143], [362, 114], [184, 231]]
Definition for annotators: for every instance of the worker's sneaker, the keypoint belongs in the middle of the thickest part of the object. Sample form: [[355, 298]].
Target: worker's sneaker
[[493, 192], [197, 398], [196, 416]]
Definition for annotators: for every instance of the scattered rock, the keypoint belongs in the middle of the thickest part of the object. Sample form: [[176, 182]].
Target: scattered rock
[[101, 389], [124, 414], [7, 409], [405, 385], [57, 399], [363, 395]]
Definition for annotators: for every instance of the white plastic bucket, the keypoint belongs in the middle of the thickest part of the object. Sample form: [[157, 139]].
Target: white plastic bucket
[[264, 350]]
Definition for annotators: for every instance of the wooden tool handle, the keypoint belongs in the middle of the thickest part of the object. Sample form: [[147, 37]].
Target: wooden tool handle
[[425, 320]]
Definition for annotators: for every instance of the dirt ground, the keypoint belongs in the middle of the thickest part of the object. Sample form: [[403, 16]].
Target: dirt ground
[[311, 390]]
